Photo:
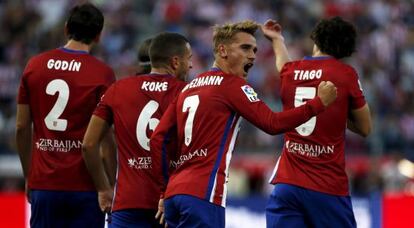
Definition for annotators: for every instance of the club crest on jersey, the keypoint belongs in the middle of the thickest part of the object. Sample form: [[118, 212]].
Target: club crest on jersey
[[250, 93]]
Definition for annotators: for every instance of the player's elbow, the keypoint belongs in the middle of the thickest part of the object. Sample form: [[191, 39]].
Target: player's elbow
[[87, 147], [22, 127], [366, 131]]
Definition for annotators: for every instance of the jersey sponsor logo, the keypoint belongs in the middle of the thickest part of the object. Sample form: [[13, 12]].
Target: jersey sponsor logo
[[307, 74], [154, 86], [308, 150], [204, 81], [250, 93], [64, 65], [55, 145], [186, 157], [140, 163]]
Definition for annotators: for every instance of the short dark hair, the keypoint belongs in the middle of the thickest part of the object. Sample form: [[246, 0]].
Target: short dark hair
[[143, 52], [166, 45], [335, 37], [85, 23]]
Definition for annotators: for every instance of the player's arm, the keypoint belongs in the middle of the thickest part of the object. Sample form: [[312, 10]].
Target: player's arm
[[97, 130], [24, 136], [259, 114], [359, 121], [273, 31], [158, 144], [108, 156]]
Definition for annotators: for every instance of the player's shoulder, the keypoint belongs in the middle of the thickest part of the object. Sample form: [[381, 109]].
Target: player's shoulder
[[42, 56], [98, 63]]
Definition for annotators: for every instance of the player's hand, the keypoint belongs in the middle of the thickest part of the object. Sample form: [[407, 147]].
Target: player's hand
[[272, 30], [27, 191], [327, 92], [160, 212], [105, 200]]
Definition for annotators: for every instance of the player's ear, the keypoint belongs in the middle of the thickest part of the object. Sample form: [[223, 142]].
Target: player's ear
[[97, 38], [222, 51], [175, 62]]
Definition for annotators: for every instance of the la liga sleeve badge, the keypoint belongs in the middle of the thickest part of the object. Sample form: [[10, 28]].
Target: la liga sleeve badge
[[250, 93]]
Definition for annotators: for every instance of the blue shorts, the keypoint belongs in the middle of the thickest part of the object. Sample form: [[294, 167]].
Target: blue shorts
[[143, 218], [292, 206], [65, 209], [184, 211]]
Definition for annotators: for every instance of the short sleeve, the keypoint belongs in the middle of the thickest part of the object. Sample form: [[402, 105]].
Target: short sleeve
[[104, 107], [357, 98]]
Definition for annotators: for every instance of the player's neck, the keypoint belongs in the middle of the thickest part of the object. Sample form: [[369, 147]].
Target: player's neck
[[318, 53], [223, 67], [155, 70], [77, 46]]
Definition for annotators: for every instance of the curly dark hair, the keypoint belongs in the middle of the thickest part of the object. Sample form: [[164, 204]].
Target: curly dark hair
[[335, 37]]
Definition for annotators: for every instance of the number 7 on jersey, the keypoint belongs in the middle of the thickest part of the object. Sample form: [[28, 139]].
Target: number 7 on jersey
[[190, 104]]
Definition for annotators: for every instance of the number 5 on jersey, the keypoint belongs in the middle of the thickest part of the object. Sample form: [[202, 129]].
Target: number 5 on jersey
[[301, 94]]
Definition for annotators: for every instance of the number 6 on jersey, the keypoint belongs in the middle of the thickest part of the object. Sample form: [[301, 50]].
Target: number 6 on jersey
[[190, 104]]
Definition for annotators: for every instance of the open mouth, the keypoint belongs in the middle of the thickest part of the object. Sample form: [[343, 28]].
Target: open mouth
[[247, 67]]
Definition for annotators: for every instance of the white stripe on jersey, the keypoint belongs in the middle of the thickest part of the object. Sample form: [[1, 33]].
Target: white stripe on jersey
[[228, 158], [116, 182], [275, 169]]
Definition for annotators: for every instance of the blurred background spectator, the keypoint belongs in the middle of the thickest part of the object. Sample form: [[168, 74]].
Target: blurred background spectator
[[384, 61]]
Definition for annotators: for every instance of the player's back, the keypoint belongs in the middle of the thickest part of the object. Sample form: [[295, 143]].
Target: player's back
[[62, 87], [313, 153], [135, 105], [207, 127]]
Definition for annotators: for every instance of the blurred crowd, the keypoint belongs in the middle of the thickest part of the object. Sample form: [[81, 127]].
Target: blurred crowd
[[384, 57]]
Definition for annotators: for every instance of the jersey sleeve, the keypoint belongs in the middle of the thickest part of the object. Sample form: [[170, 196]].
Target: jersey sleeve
[[161, 145], [244, 100], [109, 79], [357, 99], [104, 107], [23, 94]]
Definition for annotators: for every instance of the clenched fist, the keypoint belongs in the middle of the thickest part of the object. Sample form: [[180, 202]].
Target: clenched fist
[[327, 92]]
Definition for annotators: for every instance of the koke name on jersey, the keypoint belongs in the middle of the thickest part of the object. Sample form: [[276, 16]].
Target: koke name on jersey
[[154, 86]]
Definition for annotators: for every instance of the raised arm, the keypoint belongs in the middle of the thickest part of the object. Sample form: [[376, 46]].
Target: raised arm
[[273, 31]]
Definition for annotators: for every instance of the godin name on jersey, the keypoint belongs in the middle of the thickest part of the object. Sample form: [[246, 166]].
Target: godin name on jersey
[[64, 65]]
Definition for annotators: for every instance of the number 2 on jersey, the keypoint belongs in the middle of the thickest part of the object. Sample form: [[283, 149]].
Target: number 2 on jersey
[[190, 104], [301, 94], [52, 120]]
